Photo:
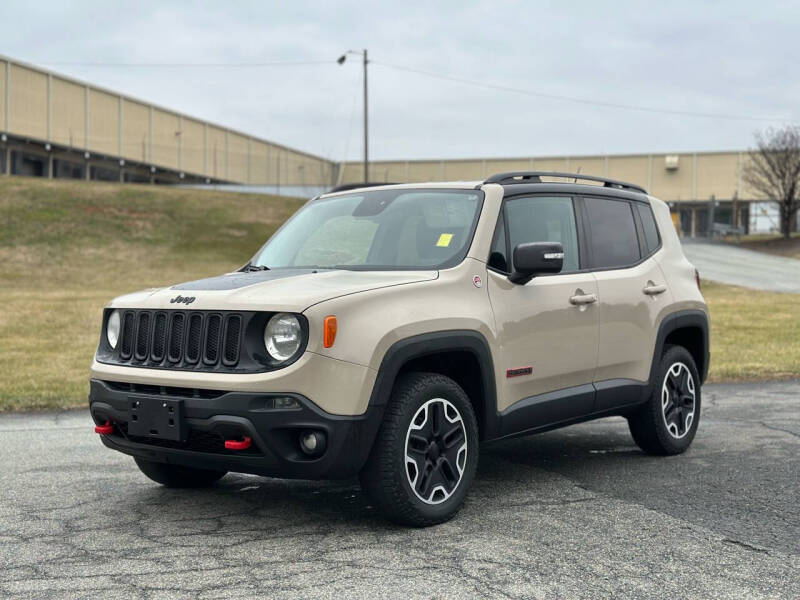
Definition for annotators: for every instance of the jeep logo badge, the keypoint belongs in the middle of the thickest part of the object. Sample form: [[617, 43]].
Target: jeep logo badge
[[182, 300]]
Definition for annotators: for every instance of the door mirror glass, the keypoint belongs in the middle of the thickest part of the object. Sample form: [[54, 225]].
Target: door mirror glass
[[536, 258]]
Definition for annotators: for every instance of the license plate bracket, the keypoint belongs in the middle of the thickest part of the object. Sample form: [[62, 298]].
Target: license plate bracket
[[158, 418]]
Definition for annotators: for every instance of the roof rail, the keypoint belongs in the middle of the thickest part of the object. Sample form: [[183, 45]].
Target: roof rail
[[536, 177]]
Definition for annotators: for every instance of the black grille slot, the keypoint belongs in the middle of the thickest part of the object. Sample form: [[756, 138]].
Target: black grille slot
[[164, 390], [211, 351], [176, 337], [194, 338], [159, 337], [144, 388], [142, 336], [126, 345], [233, 331]]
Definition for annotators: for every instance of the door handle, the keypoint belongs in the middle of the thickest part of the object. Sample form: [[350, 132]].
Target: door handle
[[651, 289], [581, 299]]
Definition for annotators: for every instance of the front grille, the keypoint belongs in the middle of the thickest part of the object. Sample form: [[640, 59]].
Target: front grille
[[180, 339]]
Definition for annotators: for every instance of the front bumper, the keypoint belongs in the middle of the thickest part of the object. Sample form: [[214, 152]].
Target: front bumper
[[275, 449]]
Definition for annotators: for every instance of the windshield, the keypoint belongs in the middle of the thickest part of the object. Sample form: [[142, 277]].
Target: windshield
[[379, 229]]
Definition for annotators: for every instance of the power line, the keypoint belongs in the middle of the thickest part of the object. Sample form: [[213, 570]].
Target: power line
[[505, 88], [431, 74], [291, 63]]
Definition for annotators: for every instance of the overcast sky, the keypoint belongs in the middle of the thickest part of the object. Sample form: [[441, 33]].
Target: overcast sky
[[726, 58]]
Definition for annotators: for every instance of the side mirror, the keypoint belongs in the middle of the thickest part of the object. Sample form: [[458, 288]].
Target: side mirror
[[536, 258]]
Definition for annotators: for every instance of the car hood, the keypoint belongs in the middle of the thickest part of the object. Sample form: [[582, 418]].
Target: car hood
[[290, 290]]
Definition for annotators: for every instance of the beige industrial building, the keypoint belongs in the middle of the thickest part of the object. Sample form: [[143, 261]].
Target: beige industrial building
[[55, 126], [701, 187]]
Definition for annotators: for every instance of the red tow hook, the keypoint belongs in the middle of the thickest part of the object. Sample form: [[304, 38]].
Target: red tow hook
[[106, 429], [243, 444]]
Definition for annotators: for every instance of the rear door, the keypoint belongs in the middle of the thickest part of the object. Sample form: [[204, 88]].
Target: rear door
[[632, 292], [547, 328]]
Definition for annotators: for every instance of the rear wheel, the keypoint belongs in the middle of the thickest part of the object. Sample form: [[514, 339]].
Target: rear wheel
[[176, 476], [426, 453], [667, 423]]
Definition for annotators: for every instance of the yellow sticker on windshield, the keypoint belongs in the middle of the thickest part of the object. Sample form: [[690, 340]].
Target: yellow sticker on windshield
[[444, 240]]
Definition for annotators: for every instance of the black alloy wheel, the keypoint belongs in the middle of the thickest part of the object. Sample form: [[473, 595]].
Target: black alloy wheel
[[436, 451], [678, 400]]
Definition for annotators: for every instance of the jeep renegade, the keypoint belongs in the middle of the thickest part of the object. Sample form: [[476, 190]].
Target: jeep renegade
[[387, 332]]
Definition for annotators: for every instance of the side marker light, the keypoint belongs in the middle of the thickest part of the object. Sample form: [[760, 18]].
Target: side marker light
[[330, 327]]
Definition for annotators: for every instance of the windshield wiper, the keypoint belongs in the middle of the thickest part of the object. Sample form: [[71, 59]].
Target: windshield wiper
[[249, 268]]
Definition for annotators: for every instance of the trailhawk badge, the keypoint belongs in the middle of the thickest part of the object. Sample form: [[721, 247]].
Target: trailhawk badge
[[477, 281], [182, 300]]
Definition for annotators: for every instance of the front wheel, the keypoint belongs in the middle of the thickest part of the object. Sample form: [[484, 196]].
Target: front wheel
[[667, 422], [176, 476], [426, 453]]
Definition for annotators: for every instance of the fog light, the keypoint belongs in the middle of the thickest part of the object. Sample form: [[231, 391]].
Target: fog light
[[281, 403], [312, 443]]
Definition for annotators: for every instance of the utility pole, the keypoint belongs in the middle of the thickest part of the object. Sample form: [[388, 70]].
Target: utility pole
[[366, 130], [341, 61]]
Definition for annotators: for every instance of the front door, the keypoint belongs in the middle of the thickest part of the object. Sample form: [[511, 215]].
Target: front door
[[547, 329]]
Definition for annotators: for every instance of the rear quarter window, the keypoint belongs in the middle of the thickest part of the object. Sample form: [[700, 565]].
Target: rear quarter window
[[651, 236]]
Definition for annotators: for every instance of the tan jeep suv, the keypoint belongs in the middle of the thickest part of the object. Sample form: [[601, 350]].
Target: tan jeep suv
[[387, 332]]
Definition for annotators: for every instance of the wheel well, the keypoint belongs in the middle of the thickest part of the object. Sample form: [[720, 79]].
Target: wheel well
[[693, 340], [462, 367]]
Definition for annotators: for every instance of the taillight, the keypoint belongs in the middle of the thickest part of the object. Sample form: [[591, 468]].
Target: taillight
[[697, 278]]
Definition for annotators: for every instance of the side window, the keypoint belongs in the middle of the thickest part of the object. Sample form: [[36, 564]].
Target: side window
[[497, 255], [612, 233], [649, 226], [544, 219]]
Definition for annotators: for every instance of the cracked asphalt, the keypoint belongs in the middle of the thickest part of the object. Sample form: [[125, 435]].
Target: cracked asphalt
[[577, 513]]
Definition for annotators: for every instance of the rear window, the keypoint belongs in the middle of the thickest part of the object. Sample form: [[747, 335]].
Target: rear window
[[612, 233]]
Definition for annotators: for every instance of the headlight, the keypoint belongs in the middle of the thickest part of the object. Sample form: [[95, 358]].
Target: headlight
[[112, 329], [283, 336]]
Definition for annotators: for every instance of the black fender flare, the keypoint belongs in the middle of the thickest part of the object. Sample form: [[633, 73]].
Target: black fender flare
[[418, 346], [680, 320]]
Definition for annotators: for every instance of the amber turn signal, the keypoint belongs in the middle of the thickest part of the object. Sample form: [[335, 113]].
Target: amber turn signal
[[329, 331]]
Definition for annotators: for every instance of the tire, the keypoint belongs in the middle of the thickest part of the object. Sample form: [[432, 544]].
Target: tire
[[410, 482], [666, 424], [174, 476]]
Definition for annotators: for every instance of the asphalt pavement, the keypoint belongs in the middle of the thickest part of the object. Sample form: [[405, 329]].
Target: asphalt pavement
[[576, 513], [731, 264]]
